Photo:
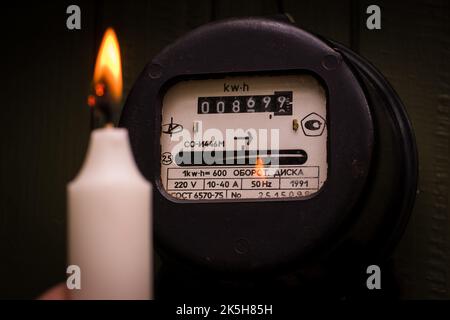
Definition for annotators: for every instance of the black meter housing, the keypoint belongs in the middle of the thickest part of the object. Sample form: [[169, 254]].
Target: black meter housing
[[324, 241]]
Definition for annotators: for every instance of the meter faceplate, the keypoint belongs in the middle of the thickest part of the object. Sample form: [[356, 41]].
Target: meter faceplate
[[244, 138]]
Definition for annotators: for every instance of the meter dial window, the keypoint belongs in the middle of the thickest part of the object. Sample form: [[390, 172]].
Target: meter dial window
[[244, 138]]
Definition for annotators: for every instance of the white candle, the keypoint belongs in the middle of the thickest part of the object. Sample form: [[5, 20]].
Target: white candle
[[110, 234]]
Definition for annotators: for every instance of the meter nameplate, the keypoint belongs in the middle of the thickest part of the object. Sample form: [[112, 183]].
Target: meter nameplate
[[244, 138]]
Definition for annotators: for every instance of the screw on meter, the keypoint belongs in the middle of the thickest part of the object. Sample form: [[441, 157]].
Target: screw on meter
[[238, 138]]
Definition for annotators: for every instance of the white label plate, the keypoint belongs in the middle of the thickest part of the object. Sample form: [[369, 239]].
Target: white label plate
[[244, 138]]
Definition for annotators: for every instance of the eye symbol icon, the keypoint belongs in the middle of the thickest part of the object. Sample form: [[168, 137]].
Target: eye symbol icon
[[313, 125]]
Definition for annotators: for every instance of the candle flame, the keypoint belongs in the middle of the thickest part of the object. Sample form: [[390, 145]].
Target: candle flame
[[259, 167], [108, 68]]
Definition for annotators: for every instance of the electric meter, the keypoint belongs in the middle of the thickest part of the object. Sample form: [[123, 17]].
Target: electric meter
[[271, 151]]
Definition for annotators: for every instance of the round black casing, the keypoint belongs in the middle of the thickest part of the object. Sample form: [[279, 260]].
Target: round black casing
[[275, 236]]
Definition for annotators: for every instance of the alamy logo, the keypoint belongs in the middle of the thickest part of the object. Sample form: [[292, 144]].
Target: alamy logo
[[73, 281], [374, 280], [73, 22], [373, 22], [234, 146]]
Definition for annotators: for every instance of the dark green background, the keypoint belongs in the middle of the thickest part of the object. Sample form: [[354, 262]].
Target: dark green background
[[46, 73]]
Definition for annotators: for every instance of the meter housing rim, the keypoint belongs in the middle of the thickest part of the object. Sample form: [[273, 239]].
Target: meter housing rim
[[376, 86], [206, 234]]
